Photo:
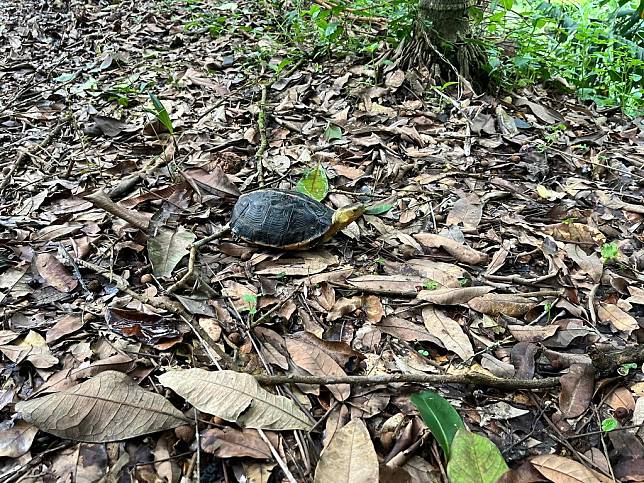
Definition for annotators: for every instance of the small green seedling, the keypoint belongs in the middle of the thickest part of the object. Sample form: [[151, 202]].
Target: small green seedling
[[609, 424], [609, 251], [251, 300], [430, 285]]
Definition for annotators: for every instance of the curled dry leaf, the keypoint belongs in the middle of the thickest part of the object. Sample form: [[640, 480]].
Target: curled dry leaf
[[452, 296], [531, 333], [229, 442], [16, 441], [32, 348], [448, 331], [369, 303], [349, 457], [564, 470], [619, 319], [576, 390], [500, 303], [316, 361], [591, 264], [575, 232], [407, 330], [621, 397], [54, 272], [236, 397], [462, 253], [108, 407]]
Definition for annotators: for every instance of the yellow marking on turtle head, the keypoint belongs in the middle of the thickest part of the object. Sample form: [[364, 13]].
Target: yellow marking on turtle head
[[342, 217]]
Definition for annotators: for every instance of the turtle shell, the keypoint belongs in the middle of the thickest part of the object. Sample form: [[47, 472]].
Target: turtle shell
[[280, 219]]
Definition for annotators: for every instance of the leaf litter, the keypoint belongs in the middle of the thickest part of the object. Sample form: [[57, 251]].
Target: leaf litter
[[489, 249]]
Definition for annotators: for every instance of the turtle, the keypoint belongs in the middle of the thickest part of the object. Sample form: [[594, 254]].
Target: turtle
[[288, 220]]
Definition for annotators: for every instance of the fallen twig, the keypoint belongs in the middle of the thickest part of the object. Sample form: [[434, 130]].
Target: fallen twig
[[22, 157], [101, 200], [474, 379], [194, 250]]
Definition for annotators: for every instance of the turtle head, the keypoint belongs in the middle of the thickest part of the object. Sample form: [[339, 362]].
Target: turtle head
[[344, 216]]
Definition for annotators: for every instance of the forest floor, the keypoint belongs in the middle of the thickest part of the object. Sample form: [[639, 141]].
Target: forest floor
[[505, 264]]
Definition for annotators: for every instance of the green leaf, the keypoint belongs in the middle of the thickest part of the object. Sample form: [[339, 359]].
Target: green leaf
[[251, 300], [161, 113], [475, 459], [609, 424], [379, 209], [439, 416], [314, 183], [430, 285], [332, 132]]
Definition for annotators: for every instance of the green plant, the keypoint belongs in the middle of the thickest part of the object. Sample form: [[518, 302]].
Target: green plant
[[251, 300], [430, 285], [609, 251]]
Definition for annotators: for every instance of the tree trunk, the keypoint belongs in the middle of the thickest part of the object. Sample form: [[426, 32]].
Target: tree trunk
[[442, 42]]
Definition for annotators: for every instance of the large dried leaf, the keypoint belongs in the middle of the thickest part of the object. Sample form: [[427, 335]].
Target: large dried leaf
[[575, 232], [576, 390], [591, 264], [452, 296], [306, 263], [564, 470], [501, 303], [349, 457], [167, 248], [444, 274], [236, 397], [448, 331], [313, 359], [108, 407]]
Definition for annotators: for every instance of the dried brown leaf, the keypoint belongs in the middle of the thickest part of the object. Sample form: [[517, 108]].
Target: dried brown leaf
[[237, 397], [621, 397], [448, 331], [465, 213], [619, 319], [499, 303], [462, 253], [407, 330], [234, 443], [388, 284], [349, 457], [108, 407], [316, 361], [54, 272], [563, 470], [16, 440], [453, 296]]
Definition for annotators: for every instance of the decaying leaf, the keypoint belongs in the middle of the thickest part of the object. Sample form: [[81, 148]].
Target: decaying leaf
[[465, 213], [453, 296], [54, 272], [108, 407], [236, 397], [617, 317], [229, 442], [349, 457], [576, 390]]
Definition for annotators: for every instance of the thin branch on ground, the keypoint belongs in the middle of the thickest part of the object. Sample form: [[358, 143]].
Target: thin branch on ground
[[194, 250], [27, 153], [101, 200], [473, 379]]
